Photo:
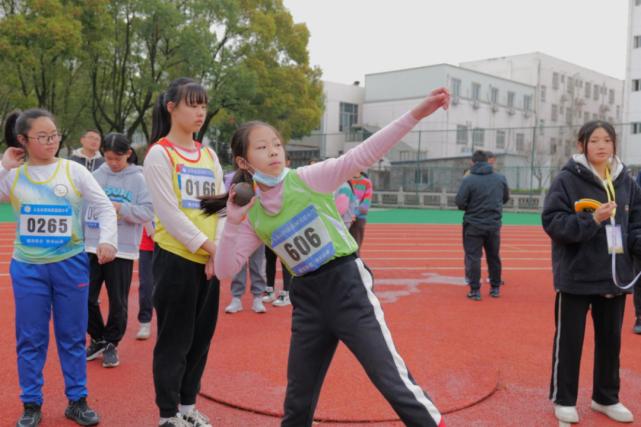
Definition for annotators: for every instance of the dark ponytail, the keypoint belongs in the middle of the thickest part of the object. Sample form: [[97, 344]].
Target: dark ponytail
[[20, 124], [180, 89], [239, 147], [119, 144]]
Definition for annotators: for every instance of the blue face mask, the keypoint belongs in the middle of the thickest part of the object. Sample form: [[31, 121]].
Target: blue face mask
[[268, 180]]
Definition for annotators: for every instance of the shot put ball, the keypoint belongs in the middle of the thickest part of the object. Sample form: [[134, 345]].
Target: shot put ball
[[243, 193]]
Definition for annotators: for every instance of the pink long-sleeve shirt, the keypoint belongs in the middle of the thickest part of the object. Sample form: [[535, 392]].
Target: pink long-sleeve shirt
[[238, 242]]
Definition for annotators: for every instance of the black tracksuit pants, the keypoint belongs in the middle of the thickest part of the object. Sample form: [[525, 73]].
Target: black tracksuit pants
[[186, 306], [570, 317], [474, 241], [337, 302], [270, 270], [117, 277]]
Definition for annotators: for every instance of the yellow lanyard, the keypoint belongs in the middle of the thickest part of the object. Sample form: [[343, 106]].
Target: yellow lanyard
[[609, 188]]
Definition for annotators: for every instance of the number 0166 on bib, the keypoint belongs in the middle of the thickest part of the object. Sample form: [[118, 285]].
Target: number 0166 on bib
[[303, 242], [45, 225]]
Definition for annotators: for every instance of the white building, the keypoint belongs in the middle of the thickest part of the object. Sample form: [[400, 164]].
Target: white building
[[343, 109], [486, 111], [566, 94], [631, 147]]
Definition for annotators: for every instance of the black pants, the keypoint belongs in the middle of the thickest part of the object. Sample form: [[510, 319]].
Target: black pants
[[570, 317], [186, 306], [270, 270], [146, 289], [637, 298], [474, 241], [357, 230], [117, 277], [337, 302]]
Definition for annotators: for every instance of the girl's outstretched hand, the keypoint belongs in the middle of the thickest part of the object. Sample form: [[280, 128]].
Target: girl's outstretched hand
[[439, 98], [235, 213], [13, 158]]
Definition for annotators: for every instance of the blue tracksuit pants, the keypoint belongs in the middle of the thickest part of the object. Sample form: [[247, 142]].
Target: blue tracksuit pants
[[38, 288]]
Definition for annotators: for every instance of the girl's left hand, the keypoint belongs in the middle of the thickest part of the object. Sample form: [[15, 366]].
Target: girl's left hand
[[439, 98], [209, 268], [106, 253]]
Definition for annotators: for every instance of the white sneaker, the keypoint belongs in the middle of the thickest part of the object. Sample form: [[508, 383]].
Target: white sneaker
[[270, 295], [177, 421], [258, 306], [567, 414], [617, 412], [236, 305], [144, 332], [196, 419], [282, 300]]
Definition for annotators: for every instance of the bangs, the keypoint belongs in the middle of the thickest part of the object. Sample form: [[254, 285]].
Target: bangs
[[194, 94]]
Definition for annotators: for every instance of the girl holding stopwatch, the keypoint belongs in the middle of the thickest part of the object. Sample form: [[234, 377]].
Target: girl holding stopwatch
[[332, 290], [50, 269], [586, 274], [178, 171]]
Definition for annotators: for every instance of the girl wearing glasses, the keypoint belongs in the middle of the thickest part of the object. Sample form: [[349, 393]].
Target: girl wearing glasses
[[50, 268]]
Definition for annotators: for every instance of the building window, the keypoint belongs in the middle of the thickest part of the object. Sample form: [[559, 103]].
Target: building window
[[479, 137], [586, 117], [618, 112], [637, 42], [510, 99], [461, 134], [588, 90], [596, 92], [568, 116], [542, 93], [555, 113], [636, 128], [636, 85], [520, 141], [611, 97], [476, 91], [500, 139], [348, 116], [570, 85], [541, 127], [553, 147], [637, 2], [456, 87], [568, 147], [495, 95], [555, 80], [527, 102]]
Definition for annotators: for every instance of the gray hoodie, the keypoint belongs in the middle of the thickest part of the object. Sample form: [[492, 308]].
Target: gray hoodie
[[127, 187]]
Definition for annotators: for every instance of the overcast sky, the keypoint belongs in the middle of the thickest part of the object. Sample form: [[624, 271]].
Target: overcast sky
[[351, 38]]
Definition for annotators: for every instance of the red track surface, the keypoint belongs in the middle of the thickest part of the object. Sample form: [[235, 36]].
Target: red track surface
[[458, 350]]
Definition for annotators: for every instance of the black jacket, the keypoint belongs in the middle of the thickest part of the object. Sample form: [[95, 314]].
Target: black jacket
[[482, 195], [580, 260], [91, 164]]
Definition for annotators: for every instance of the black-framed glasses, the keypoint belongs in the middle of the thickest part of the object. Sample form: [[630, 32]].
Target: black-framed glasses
[[46, 139]]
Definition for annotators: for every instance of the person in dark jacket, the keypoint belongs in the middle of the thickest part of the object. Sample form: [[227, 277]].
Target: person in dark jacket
[[582, 268], [637, 287], [482, 195], [89, 155]]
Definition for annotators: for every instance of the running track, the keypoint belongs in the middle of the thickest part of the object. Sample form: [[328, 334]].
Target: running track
[[488, 362]]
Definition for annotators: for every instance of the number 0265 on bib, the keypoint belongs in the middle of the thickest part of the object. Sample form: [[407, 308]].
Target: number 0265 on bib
[[303, 242], [45, 225]]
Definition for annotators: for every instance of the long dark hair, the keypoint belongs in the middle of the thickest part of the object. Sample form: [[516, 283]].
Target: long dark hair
[[239, 147], [19, 123], [588, 129], [119, 144], [179, 90]]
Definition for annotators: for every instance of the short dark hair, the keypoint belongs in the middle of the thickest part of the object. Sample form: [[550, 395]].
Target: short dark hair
[[489, 154], [479, 156], [92, 130]]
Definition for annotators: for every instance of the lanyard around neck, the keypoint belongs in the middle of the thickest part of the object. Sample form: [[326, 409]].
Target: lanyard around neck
[[609, 190]]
